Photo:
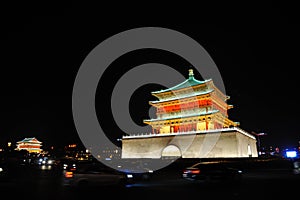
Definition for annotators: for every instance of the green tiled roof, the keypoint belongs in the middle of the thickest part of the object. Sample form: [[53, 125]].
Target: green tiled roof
[[191, 81], [182, 116], [182, 97], [29, 140]]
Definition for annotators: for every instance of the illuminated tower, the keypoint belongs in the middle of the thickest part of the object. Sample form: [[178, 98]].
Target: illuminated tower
[[191, 122], [32, 145], [192, 105]]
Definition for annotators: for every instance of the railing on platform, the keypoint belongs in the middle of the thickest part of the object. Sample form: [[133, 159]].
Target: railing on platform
[[143, 135]]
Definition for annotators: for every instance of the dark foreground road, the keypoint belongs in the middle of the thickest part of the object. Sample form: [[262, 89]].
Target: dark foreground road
[[264, 183]]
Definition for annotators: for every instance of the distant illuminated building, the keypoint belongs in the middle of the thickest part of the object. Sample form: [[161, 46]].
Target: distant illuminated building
[[32, 145], [77, 152], [109, 153]]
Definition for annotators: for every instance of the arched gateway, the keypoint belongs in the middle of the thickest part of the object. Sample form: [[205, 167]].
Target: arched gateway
[[171, 151]]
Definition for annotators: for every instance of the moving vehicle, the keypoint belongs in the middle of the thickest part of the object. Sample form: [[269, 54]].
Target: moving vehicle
[[67, 164], [3, 173], [90, 175], [201, 171], [296, 166]]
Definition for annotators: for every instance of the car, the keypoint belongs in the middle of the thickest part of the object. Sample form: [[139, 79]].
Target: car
[[3, 173], [90, 175], [296, 166], [67, 164], [202, 171]]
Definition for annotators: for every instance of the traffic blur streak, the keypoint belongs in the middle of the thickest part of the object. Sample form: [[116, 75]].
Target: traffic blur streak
[[261, 179], [202, 171], [94, 175]]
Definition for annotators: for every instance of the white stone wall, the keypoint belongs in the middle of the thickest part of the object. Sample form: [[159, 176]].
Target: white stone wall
[[210, 145]]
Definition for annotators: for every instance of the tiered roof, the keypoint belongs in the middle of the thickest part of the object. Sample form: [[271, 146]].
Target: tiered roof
[[29, 140]]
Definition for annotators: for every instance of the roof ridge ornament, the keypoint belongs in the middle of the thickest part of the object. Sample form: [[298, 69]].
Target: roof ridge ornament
[[191, 73]]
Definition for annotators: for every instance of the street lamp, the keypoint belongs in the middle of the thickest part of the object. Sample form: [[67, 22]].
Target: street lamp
[[258, 140]]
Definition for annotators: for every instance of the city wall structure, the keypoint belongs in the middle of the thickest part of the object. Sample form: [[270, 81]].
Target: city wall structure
[[223, 143]]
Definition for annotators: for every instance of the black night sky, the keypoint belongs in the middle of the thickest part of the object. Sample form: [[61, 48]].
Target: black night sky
[[256, 51]]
